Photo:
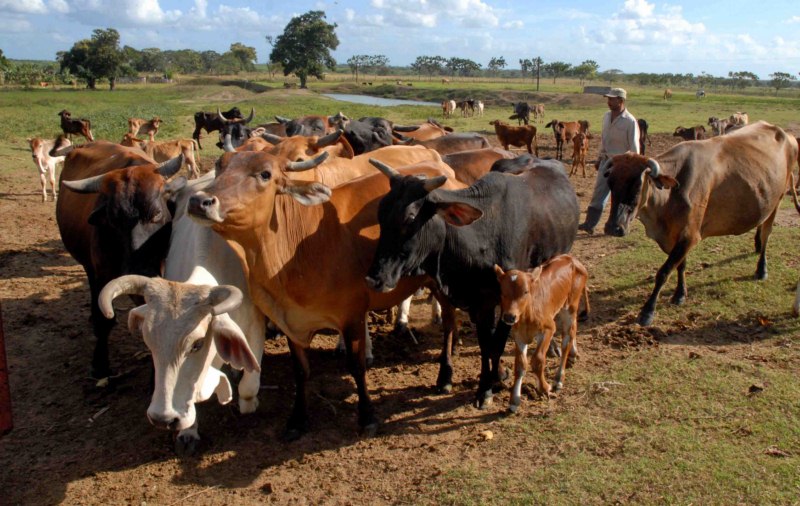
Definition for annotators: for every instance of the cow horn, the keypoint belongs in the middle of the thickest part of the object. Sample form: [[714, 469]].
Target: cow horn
[[170, 167], [250, 118], [655, 169], [61, 151], [405, 128], [433, 183], [225, 298], [387, 171], [88, 185], [222, 118], [272, 138], [227, 144], [132, 284], [307, 164], [329, 139], [281, 119]]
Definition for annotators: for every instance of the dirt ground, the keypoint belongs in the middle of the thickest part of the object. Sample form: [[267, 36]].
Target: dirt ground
[[77, 443]]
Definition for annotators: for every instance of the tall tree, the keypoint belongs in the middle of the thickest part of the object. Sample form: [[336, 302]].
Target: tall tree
[[780, 80], [245, 54], [611, 75], [305, 46], [357, 63], [538, 65], [428, 65], [557, 68], [4, 64], [742, 78], [525, 66], [587, 70], [496, 64], [96, 58]]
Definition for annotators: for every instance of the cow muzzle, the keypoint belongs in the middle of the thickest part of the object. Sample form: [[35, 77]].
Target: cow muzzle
[[168, 421], [509, 319], [378, 285], [205, 207]]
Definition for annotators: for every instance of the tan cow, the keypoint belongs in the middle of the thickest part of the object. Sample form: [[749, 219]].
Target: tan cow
[[580, 148], [45, 162], [165, 150], [139, 126]]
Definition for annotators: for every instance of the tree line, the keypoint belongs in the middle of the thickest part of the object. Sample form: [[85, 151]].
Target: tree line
[[304, 50]]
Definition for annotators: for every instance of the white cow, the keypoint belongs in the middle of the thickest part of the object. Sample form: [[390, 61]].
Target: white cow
[[40, 151], [479, 107], [189, 339]]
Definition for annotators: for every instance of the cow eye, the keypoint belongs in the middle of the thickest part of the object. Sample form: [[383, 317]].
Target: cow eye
[[264, 175], [196, 346]]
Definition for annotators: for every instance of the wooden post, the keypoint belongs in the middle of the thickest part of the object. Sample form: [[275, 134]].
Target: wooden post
[[5, 392]]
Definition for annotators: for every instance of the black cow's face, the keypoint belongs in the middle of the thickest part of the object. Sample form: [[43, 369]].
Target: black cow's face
[[409, 234], [625, 183], [238, 133]]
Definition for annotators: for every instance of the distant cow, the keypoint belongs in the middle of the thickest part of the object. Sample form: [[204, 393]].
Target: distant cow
[[580, 148], [643, 135], [448, 108], [522, 113], [72, 126], [519, 136], [213, 121], [718, 125], [667, 94], [161, 151], [723, 186], [139, 126], [538, 113], [537, 304], [564, 131], [739, 118], [694, 133], [466, 106], [40, 152], [700, 94]]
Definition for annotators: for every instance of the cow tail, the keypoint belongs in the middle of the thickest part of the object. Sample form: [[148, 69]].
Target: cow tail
[[794, 190]]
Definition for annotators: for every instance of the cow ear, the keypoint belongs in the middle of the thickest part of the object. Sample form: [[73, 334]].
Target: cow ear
[[136, 319], [498, 271], [665, 181], [458, 213], [535, 274], [232, 345], [98, 215], [308, 194]]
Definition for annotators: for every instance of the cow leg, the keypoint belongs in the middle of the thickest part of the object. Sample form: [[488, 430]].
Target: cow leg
[[187, 441], [680, 289], [764, 231], [53, 182], [355, 348], [43, 180], [483, 324], [540, 360], [444, 382], [520, 367], [569, 333], [676, 257], [298, 420], [196, 136], [250, 383], [101, 326]]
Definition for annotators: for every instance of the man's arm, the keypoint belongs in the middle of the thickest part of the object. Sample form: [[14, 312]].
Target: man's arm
[[633, 139]]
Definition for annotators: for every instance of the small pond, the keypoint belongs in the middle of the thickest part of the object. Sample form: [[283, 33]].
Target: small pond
[[368, 100]]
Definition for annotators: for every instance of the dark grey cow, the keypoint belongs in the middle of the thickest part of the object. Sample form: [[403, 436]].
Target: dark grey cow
[[522, 112]]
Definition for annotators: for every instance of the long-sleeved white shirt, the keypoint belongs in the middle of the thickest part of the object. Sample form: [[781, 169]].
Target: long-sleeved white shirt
[[620, 136]]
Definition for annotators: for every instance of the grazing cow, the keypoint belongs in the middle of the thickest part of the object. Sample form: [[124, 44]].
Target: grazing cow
[[113, 219], [700, 94], [469, 166], [522, 113], [695, 133], [139, 126], [72, 126], [718, 125], [519, 136], [667, 94], [431, 129], [538, 113], [448, 108], [445, 80], [524, 221], [191, 325], [161, 151], [643, 135], [40, 152], [739, 118], [580, 148], [314, 125], [213, 121], [479, 107], [282, 235], [455, 142], [536, 304], [466, 105], [723, 186], [564, 131]]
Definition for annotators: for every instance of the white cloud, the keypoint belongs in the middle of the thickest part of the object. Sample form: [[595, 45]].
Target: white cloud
[[793, 19], [23, 7], [638, 24], [60, 6], [516, 24], [349, 14], [200, 8], [636, 9], [433, 13]]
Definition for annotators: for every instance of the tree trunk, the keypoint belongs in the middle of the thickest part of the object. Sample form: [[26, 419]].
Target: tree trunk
[[112, 83], [303, 78], [91, 83]]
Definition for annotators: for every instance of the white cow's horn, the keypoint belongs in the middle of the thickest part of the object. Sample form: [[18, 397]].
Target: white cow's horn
[[225, 298], [132, 284]]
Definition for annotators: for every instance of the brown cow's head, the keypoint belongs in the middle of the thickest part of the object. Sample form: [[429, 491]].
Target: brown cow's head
[[515, 291], [299, 148], [626, 176]]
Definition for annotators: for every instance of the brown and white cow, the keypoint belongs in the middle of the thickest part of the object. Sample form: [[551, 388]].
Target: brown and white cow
[[40, 152], [140, 126], [113, 218], [725, 185], [536, 304]]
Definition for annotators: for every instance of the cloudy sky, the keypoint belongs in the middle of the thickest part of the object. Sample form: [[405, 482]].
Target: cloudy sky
[[679, 36]]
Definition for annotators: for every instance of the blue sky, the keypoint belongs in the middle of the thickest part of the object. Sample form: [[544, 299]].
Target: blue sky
[[713, 36]]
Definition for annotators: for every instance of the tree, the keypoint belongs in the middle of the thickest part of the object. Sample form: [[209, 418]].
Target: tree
[[4, 64], [496, 64], [96, 58], [741, 79], [304, 46], [557, 68], [357, 62], [525, 66], [538, 63], [611, 75], [462, 66], [587, 70], [780, 80], [428, 65], [245, 54]]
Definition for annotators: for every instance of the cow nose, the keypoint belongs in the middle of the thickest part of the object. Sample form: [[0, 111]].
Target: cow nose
[[201, 203], [614, 229], [509, 319], [162, 421], [372, 282]]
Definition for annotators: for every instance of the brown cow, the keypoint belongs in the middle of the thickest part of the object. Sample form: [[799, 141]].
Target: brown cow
[[113, 218], [695, 133], [521, 136], [564, 131], [723, 186], [431, 129], [535, 304], [72, 126], [162, 151], [580, 148], [667, 94], [139, 126], [305, 262], [469, 166], [455, 142]]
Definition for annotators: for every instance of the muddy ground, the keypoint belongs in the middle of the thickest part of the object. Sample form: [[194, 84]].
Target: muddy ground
[[77, 443]]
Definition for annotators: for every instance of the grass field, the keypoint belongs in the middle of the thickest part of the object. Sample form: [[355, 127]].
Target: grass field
[[701, 408]]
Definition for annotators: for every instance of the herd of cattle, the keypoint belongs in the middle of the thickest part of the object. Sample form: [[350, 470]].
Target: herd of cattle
[[308, 224]]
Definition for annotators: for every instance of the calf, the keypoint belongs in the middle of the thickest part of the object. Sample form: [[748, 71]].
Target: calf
[[166, 150], [72, 126], [448, 107], [564, 131], [695, 133], [643, 135], [719, 125], [40, 151], [521, 136], [580, 147], [139, 126], [538, 113], [479, 107], [739, 118], [530, 302]]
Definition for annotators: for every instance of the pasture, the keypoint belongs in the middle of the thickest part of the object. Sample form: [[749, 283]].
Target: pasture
[[702, 407]]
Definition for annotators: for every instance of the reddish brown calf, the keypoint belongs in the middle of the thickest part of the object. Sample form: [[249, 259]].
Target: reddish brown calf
[[520, 136]]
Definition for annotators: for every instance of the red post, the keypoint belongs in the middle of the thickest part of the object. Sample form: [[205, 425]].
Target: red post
[[5, 392]]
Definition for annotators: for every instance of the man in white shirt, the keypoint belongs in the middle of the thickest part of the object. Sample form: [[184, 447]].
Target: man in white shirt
[[620, 135]]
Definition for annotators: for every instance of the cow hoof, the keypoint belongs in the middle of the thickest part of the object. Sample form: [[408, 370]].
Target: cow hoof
[[513, 408], [186, 445], [444, 389], [484, 401], [761, 276], [678, 299], [646, 318], [369, 430], [558, 386], [293, 433], [101, 372], [247, 406]]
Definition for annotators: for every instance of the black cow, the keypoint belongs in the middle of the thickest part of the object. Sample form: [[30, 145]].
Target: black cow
[[643, 126], [368, 134], [72, 126], [522, 112], [516, 222], [213, 121], [313, 125]]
